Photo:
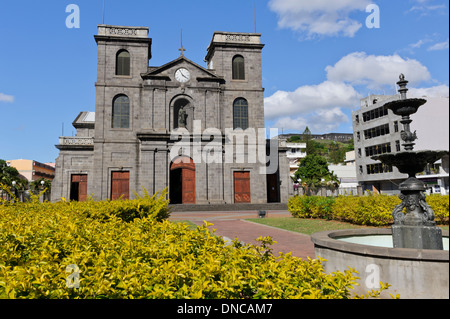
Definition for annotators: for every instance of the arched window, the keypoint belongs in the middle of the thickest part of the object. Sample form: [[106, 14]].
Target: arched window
[[238, 68], [240, 114], [121, 112], [123, 63]]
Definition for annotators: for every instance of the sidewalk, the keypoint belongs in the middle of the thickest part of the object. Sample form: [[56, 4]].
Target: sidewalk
[[233, 225]]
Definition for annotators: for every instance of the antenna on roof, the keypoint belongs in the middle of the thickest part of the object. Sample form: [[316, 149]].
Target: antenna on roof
[[254, 13], [103, 20]]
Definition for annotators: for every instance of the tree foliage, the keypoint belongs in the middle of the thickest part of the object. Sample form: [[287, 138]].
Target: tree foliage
[[313, 172], [8, 174], [36, 186]]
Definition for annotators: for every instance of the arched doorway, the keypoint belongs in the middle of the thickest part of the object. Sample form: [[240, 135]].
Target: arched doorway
[[182, 181]]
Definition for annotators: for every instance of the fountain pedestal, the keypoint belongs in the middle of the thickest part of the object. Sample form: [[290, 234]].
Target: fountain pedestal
[[417, 237], [416, 229]]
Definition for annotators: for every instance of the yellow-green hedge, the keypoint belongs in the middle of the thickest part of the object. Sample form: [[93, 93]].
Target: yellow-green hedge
[[144, 257], [375, 210]]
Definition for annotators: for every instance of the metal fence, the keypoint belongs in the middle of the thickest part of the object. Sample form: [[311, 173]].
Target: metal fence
[[342, 191], [23, 196]]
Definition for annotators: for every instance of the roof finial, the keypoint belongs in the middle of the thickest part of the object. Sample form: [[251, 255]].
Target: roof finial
[[181, 49]]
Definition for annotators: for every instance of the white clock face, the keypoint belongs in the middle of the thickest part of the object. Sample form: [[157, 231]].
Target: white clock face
[[182, 75]]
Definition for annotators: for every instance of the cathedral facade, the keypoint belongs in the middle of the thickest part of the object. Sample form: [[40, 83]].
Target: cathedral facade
[[199, 132]]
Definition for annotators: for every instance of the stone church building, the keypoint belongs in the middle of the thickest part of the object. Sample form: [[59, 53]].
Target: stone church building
[[170, 126]]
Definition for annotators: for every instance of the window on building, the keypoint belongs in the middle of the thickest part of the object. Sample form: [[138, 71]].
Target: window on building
[[240, 114], [123, 62], [378, 149], [395, 126], [238, 68], [375, 113], [397, 146], [376, 131], [380, 168], [121, 112]]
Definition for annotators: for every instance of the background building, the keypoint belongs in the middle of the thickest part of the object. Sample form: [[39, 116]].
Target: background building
[[377, 131], [33, 170], [295, 152], [337, 137], [346, 173]]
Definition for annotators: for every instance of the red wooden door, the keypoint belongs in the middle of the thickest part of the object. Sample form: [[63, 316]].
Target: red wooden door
[[183, 171], [79, 187], [242, 187], [188, 188], [120, 185]]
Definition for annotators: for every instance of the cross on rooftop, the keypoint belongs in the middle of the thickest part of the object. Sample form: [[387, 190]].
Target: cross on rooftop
[[181, 49]]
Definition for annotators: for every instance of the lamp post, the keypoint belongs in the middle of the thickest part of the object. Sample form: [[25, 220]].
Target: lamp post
[[14, 191], [42, 188]]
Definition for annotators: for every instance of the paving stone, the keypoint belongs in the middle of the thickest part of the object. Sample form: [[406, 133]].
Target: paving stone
[[233, 225]]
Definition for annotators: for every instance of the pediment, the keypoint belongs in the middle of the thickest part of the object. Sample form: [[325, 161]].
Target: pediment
[[167, 71]]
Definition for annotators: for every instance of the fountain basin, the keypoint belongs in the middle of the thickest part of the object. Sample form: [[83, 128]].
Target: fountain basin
[[402, 108], [410, 163], [412, 273], [379, 240]]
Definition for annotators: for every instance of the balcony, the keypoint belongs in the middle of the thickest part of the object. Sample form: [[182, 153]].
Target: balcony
[[75, 142]]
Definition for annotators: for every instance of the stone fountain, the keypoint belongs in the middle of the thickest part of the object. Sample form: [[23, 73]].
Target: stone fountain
[[417, 228], [412, 256]]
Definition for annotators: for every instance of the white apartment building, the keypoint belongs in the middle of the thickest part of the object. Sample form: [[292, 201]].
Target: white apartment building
[[295, 152], [377, 131]]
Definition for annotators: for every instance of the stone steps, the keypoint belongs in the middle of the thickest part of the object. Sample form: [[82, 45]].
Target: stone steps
[[227, 207]]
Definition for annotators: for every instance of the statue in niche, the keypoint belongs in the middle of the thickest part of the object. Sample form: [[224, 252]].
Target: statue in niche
[[182, 118]]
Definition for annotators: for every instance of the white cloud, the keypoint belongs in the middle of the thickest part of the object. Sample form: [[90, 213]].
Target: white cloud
[[321, 121], [319, 17], [434, 91], [6, 98], [309, 98], [427, 9], [419, 43], [321, 107], [289, 123], [374, 71], [439, 46], [317, 106]]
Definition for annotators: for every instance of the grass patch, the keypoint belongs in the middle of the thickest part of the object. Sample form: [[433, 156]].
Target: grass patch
[[304, 226], [308, 226], [191, 225]]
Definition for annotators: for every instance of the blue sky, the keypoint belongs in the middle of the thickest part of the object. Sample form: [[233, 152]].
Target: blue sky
[[320, 58]]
